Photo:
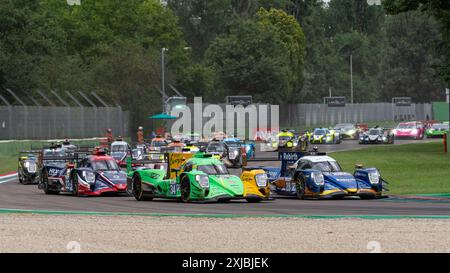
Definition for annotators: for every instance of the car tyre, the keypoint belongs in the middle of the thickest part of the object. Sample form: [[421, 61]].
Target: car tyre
[[138, 191], [253, 200], [20, 178], [46, 188], [300, 187], [185, 190], [367, 197], [75, 187]]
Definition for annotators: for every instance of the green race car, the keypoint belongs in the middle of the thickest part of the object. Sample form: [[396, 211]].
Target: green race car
[[187, 177], [437, 130]]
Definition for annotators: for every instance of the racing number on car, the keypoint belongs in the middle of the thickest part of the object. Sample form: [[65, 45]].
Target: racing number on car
[[173, 188]]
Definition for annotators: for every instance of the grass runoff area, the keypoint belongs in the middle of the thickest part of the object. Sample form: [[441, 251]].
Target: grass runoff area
[[410, 169], [9, 151]]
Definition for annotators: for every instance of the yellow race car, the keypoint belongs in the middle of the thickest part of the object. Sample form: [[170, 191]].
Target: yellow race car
[[325, 136], [256, 184], [284, 140]]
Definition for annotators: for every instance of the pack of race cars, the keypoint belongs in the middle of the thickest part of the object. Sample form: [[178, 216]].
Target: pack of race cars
[[193, 170], [190, 168], [300, 141]]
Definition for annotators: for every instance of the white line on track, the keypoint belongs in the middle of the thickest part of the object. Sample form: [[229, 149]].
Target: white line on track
[[8, 178]]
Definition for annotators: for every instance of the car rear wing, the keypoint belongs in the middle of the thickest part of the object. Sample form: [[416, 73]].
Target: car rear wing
[[25, 153], [150, 158], [173, 160], [73, 157], [30, 152]]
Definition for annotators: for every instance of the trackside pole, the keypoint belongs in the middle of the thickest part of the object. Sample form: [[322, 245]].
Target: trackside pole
[[446, 138]]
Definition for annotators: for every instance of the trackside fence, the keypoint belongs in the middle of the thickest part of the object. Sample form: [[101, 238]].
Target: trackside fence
[[39, 122], [292, 115]]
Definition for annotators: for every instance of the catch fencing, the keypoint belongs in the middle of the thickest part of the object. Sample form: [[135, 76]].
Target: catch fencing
[[52, 122], [300, 115], [293, 115]]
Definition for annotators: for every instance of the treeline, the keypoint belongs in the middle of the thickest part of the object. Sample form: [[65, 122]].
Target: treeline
[[279, 51], [393, 55]]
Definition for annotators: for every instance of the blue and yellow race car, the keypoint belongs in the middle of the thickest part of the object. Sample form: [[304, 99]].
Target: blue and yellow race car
[[314, 175]]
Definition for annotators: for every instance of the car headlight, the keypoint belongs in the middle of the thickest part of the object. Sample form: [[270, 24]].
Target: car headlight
[[374, 177], [31, 166], [318, 179], [89, 176], [202, 180], [233, 154], [261, 179]]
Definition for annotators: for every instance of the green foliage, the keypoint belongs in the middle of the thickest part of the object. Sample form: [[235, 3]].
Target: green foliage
[[440, 9], [112, 47], [407, 69], [259, 56], [293, 39], [251, 60], [277, 50]]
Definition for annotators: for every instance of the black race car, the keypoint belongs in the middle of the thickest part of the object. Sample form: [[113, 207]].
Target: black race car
[[55, 166], [377, 135], [27, 167], [231, 155]]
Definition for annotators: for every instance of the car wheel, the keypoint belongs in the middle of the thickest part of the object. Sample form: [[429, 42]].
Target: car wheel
[[138, 191], [75, 191], [46, 188], [20, 178], [185, 190], [300, 188], [253, 200], [367, 197]]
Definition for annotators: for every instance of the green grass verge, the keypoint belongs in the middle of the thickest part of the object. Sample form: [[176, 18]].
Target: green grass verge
[[410, 169], [8, 163], [9, 151]]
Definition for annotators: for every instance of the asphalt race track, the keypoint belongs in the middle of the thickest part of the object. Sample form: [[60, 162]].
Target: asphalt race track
[[27, 197]]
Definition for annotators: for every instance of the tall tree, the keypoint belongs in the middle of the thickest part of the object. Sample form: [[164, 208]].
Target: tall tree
[[407, 66], [263, 57], [440, 9], [293, 39], [251, 60]]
